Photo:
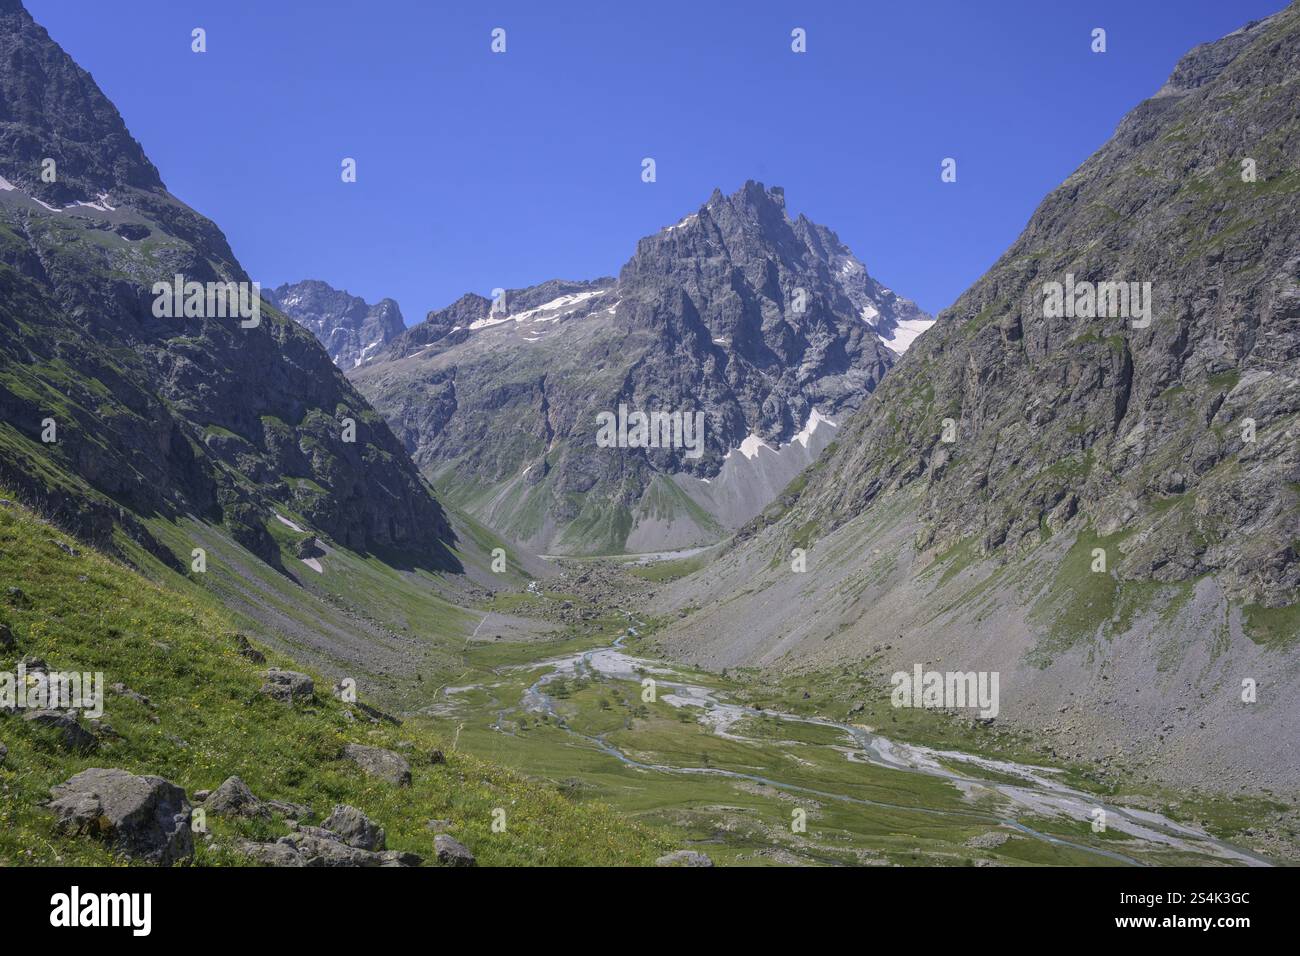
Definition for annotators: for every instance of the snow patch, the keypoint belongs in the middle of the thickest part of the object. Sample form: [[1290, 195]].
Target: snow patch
[[750, 446], [815, 418], [546, 312], [906, 333], [314, 564], [6, 186], [283, 520]]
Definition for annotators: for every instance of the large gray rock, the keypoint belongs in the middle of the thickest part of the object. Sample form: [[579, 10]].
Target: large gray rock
[[271, 854], [451, 852], [67, 728], [234, 799], [318, 847], [381, 763], [287, 686], [355, 829], [144, 817]]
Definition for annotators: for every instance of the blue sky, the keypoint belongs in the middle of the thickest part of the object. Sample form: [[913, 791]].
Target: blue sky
[[478, 170]]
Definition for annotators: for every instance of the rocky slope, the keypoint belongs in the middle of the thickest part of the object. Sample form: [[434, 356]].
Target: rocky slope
[[768, 326], [1170, 449], [160, 417], [350, 329]]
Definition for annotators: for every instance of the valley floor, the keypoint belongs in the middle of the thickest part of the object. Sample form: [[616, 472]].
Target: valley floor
[[755, 770]]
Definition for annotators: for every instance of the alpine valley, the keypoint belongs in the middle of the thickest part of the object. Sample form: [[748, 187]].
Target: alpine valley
[[376, 595]]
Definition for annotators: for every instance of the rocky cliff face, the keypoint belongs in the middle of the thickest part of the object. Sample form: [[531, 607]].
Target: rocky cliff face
[[350, 329], [1098, 500], [1178, 432], [761, 323], [110, 413]]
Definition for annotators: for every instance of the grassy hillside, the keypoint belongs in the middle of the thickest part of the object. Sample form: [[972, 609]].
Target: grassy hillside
[[205, 720]]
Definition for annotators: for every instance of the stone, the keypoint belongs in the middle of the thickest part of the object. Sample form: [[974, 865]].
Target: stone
[[288, 686], [356, 829], [451, 852], [144, 817], [72, 736], [248, 651], [381, 763], [234, 799]]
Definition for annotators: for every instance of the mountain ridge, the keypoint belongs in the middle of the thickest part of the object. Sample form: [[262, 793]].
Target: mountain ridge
[[759, 321]]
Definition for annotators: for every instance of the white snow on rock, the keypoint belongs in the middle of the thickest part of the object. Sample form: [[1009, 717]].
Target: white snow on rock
[[749, 447], [752, 443], [906, 333], [815, 418], [6, 185], [314, 564], [546, 312], [870, 313], [365, 352], [685, 222]]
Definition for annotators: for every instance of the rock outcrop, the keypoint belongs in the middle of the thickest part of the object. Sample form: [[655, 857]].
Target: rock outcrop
[[144, 817]]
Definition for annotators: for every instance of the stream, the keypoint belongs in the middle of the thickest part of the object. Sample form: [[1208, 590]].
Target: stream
[[1037, 792]]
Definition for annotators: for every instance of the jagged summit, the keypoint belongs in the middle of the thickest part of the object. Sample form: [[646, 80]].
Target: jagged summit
[[351, 329], [762, 323]]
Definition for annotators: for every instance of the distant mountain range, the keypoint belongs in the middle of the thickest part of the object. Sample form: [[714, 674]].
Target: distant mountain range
[[768, 326]]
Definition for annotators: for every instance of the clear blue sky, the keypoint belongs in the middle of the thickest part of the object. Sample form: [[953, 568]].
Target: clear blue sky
[[478, 170]]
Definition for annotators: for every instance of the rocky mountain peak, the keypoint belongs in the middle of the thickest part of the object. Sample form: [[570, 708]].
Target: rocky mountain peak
[[351, 330], [765, 326]]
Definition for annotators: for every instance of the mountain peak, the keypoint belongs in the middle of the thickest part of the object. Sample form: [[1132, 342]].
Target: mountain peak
[[351, 329]]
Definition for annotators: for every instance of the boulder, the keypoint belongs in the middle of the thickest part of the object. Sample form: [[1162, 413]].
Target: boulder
[[145, 817], [381, 763], [287, 686], [683, 858], [356, 829], [317, 847], [290, 811], [71, 735], [7, 642], [451, 852], [234, 799], [270, 854]]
